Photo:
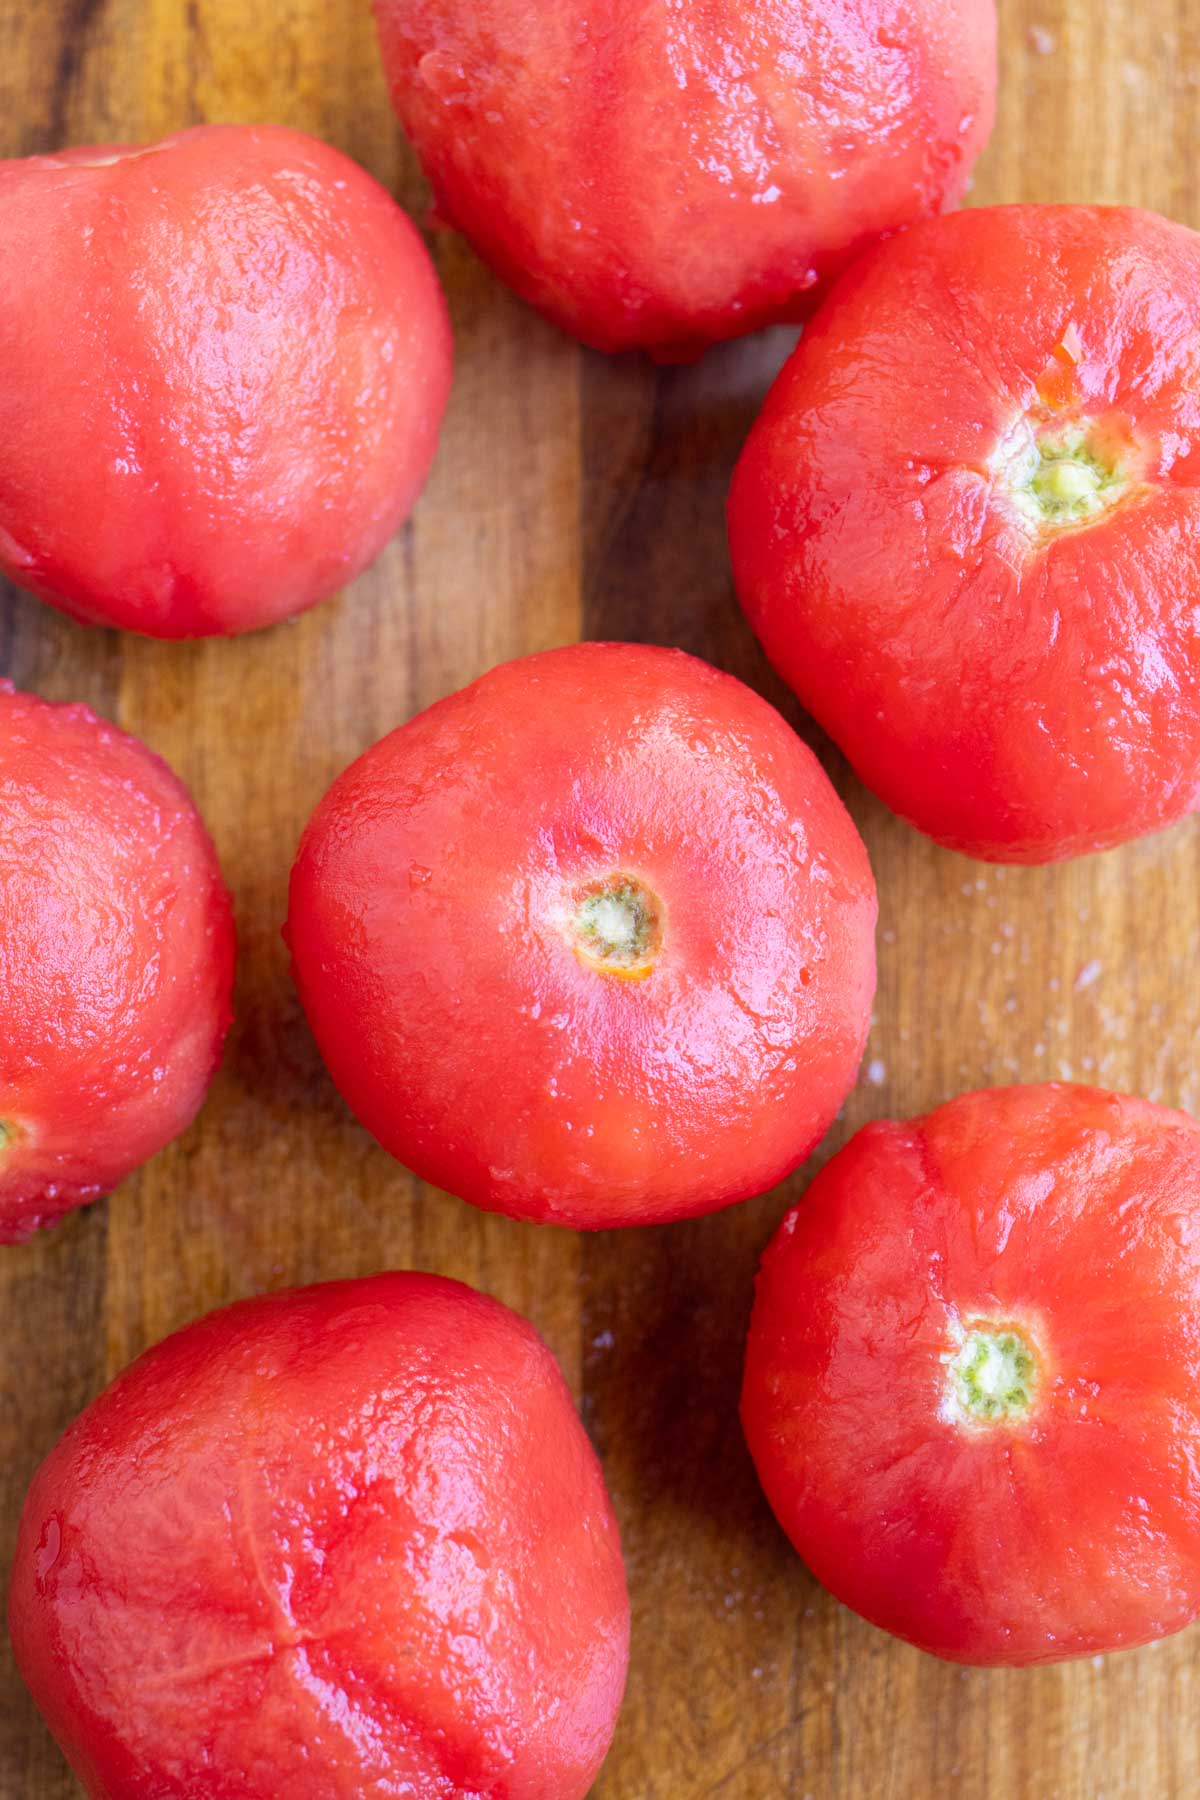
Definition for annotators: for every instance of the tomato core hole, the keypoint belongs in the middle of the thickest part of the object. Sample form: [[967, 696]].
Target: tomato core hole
[[992, 1375], [1066, 483], [616, 926], [1059, 475]]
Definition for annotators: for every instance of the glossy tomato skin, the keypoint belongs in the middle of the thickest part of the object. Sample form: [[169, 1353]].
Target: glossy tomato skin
[[662, 177], [116, 972], [429, 926], [349, 1540], [1072, 1215], [226, 359], [1021, 693]]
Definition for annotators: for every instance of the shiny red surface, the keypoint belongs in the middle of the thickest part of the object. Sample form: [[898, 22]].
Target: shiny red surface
[[116, 958], [662, 176], [426, 924], [1074, 1214], [344, 1541], [1018, 699], [225, 360]]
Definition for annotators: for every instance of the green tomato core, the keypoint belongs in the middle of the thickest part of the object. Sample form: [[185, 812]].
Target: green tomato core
[[616, 926], [993, 1375], [1061, 475]]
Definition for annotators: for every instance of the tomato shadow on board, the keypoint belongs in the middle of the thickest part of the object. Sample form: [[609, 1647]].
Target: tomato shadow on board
[[665, 1313], [660, 445]]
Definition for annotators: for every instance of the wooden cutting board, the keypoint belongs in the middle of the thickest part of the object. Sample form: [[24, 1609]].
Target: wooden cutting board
[[578, 496]]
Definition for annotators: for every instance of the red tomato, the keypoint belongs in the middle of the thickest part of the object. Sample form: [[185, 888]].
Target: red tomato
[[972, 1372], [662, 176], [116, 959], [225, 360], [589, 942], [966, 527], [343, 1541]]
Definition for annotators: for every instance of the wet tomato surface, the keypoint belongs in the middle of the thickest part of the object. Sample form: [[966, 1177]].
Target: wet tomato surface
[[972, 1375], [966, 526], [349, 1540], [226, 358], [591, 941], [661, 177], [116, 958]]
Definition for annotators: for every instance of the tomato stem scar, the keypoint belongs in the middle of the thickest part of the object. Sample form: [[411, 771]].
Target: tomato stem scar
[[1060, 475], [616, 926], [992, 1375], [1065, 481]]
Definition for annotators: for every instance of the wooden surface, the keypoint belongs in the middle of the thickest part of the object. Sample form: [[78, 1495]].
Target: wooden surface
[[574, 496]]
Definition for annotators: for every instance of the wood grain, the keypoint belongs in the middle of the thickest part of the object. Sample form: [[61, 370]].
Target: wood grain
[[575, 495]]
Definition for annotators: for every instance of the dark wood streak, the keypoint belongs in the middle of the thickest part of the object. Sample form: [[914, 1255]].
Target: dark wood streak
[[75, 33]]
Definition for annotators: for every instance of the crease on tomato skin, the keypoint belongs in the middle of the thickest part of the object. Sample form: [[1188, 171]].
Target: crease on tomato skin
[[329, 1556]]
